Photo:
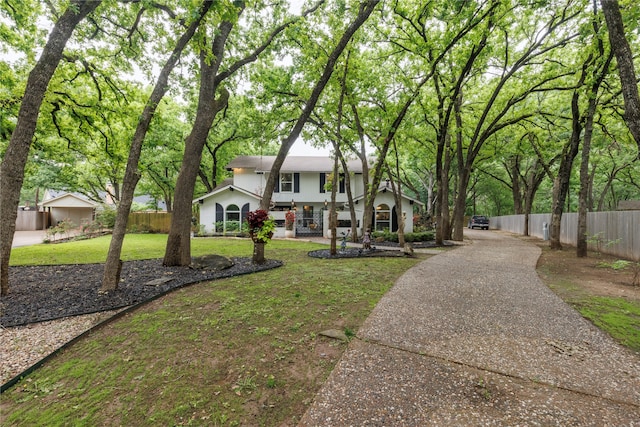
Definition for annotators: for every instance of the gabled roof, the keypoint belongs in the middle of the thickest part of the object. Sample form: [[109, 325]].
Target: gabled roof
[[69, 200], [291, 164], [226, 185], [383, 189]]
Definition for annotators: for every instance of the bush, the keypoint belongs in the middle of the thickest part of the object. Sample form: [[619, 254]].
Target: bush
[[106, 217], [141, 229], [233, 226], [387, 236], [63, 228], [424, 236]]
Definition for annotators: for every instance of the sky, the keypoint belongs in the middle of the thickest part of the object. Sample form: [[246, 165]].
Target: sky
[[301, 148]]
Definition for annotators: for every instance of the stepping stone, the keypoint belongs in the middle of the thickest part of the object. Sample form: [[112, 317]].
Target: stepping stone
[[334, 333], [159, 281]]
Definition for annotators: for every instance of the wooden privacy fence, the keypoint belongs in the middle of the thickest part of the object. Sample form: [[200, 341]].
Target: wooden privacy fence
[[616, 233], [154, 222], [32, 220]]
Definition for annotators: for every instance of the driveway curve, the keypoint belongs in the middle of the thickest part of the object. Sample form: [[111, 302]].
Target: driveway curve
[[473, 337]]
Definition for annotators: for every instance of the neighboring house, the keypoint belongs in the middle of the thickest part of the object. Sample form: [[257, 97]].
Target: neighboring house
[[58, 206], [301, 187], [68, 206]]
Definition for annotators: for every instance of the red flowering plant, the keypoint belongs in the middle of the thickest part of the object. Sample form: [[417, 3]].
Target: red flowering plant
[[261, 225], [289, 220]]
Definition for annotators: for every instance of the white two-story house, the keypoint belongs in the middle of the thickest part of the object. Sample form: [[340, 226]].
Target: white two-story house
[[300, 187]]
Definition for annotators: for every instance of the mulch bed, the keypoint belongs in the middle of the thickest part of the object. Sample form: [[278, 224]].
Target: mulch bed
[[40, 293], [382, 250], [355, 253]]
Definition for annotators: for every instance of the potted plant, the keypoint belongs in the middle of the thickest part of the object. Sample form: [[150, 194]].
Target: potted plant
[[289, 221], [261, 227]]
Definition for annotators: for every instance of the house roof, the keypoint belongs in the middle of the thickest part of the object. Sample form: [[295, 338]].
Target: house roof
[[226, 185], [291, 164], [383, 189], [69, 200]]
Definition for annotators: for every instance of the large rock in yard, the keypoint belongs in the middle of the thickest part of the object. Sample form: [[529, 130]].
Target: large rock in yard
[[211, 262]]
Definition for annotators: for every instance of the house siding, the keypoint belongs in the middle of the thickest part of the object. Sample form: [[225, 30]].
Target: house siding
[[208, 215], [249, 180]]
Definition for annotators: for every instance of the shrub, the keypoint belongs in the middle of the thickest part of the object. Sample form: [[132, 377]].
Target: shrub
[[141, 229], [261, 225], [382, 236], [106, 217], [233, 226]]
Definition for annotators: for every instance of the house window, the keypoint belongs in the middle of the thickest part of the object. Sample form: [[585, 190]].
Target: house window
[[325, 178], [232, 218], [286, 182], [383, 217]]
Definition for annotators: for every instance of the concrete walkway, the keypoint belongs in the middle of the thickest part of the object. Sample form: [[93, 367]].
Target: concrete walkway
[[473, 337]]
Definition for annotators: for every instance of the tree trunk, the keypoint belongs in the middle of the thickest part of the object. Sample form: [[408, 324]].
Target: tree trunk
[[460, 205], [362, 155], [111, 275], [626, 69], [178, 249], [581, 246], [17, 153], [536, 175], [333, 214], [396, 187], [562, 181], [397, 197], [258, 253], [352, 208], [464, 172], [340, 156], [446, 173], [585, 181], [515, 185]]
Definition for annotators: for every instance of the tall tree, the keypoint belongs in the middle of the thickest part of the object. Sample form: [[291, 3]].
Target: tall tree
[[626, 69], [212, 98], [364, 11], [15, 158], [113, 264], [599, 71]]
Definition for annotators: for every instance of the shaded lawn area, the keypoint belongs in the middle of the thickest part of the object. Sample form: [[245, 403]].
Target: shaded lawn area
[[244, 350]]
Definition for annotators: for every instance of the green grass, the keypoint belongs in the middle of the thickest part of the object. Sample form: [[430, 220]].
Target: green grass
[[238, 351], [136, 246], [619, 317]]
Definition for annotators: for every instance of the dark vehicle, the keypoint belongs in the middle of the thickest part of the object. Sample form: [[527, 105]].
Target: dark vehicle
[[479, 221]]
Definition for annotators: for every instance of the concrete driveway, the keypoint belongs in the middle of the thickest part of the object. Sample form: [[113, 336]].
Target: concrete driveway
[[472, 337], [27, 238]]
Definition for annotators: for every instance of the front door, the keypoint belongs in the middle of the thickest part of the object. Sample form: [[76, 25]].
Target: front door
[[308, 222]]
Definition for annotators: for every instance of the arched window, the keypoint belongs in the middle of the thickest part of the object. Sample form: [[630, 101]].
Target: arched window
[[232, 218], [383, 217]]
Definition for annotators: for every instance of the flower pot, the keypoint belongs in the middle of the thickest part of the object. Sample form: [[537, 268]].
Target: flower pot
[[289, 234]]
